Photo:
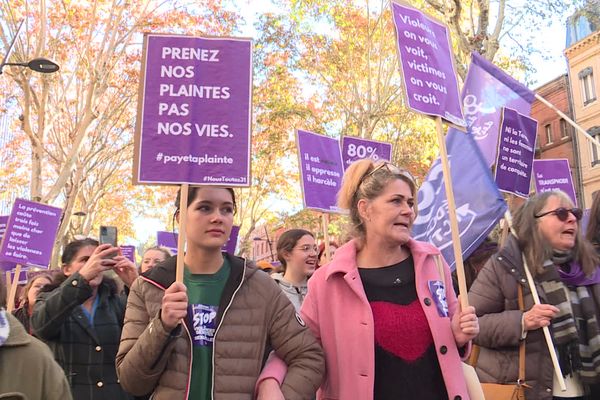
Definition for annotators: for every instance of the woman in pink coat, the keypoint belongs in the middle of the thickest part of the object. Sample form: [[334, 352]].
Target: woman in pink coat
[[390, 326]]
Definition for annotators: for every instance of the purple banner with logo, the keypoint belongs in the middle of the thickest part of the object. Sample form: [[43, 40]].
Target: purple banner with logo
[[195, 118], [427, 64], [129, 252], [554, 174], [516, 150], [487, 89], [30, 234], [321, 170], [354, 149]]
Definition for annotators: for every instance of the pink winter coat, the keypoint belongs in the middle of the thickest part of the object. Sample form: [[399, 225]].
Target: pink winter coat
[[337, 311]]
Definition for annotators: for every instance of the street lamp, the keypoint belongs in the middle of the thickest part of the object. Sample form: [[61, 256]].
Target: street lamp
[[40, 64]]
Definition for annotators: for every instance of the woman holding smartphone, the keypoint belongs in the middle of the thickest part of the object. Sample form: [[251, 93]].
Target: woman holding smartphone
[[80, 316]]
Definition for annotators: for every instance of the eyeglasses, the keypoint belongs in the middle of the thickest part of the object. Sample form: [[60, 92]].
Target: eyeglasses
[[391, 168], [562, 213], [307, 248]]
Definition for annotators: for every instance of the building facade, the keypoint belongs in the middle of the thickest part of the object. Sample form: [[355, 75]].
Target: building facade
[[583, 58], [555, 137]]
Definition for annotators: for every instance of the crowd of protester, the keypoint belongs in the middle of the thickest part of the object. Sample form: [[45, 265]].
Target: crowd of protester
[[376, 317]]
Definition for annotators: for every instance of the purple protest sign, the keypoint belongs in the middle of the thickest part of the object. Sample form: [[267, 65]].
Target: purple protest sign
[[321, 170], [30, 234], [554, 174], [515, 153], [354, 149], [3, 222], [487, 89], [427, 64], [231, 244], [168, 240], [194, 118], [129, 252]]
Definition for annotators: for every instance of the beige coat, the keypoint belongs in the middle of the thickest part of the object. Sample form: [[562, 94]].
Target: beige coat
[[254, 317]]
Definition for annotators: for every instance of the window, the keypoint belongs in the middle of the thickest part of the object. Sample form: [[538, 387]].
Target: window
[[548, 130], [586, 78], [563, 129], [595, 133]]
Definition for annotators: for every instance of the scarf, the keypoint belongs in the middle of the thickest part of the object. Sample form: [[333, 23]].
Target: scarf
[[575, 329]]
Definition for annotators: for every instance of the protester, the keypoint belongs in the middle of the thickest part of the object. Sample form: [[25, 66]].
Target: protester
[[387, 331], [207, 338], [81, 317], [333, 246], [152, 256], [564, 267], [23, 313], [28, 369], [297, 252]]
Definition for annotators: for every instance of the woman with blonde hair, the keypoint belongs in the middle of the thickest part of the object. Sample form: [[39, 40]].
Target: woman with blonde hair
[[390, 325]]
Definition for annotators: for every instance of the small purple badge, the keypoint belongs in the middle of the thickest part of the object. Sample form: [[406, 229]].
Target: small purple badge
[[203, 319], [438, 293]]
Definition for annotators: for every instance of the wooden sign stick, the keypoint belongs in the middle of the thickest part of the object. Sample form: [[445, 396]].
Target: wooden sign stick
[[326, 236], [183, 205], [460, 269], [10, 304]]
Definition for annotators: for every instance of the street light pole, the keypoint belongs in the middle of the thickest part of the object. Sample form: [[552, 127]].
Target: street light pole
[[269, 243], [42, 65]]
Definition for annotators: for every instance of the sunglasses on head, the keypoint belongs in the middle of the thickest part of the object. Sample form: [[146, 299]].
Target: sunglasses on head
[[562, 213], [392, 169]]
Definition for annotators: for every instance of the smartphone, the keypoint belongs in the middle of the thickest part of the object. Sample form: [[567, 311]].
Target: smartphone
[[108, 234]]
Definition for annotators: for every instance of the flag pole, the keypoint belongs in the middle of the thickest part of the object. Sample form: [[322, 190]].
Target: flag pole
[[183, 205], [325, 217], [460, 269], [10, 304], [569, 120], [536, 300]]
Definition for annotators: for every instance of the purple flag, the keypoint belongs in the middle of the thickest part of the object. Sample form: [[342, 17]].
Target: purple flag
[[129, 252], [427, 64], [354, 149], [168, 240], [194, 122], [321, 170], [487, 89], [518, 134], [554, 174], [30, 234], [479, 204]]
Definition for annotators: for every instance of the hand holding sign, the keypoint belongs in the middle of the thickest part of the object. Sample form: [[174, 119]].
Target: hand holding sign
[[174, 306]]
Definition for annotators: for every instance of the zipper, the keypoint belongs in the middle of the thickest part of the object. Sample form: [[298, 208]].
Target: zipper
[[189, 377], [212, 395]]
